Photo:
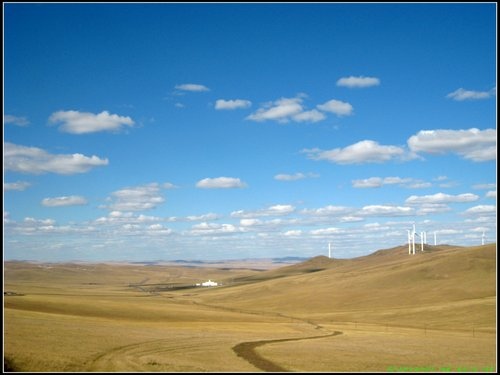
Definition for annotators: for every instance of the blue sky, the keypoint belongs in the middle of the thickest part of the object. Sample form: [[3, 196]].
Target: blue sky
[[223, 131]]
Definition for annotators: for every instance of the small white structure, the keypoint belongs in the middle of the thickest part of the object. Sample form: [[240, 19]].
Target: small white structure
[[209, 283]]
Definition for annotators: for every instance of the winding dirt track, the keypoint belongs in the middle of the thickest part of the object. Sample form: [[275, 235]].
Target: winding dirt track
[[246, 350], [131, 357]]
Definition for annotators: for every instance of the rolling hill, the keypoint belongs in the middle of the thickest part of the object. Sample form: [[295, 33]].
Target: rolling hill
[[388, 286], [372, 313]]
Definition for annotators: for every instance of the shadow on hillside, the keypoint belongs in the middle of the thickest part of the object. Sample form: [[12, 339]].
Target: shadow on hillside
[[8, 366]]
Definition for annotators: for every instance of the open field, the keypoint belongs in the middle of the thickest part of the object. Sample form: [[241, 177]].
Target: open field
[[387, 311]]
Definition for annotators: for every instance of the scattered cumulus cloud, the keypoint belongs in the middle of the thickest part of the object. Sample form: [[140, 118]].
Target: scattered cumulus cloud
[[309, 116], [359, 153], [325, 231], [376, 182], [275, 210], [281, 110], [491, 194], [481, 210], [168, 185], [329, 210], [473, 144], [72, 200], [485, 186], [33, 160], [193, 87], [137, 198], [15, 120], [432, 208], [338, 107], [442, 198], [294, 177], [232, 104], [220, 183], [358, 82], [285, 110], [18, 186], [76, 122], [210, 229], [462, 94], [158, 229], [386, 210]]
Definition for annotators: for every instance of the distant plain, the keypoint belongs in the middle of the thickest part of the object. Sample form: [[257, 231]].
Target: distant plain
[[388, 311]]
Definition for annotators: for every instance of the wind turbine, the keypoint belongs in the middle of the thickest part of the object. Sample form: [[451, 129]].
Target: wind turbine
[[409, 242], [329, 250], [482, 238]]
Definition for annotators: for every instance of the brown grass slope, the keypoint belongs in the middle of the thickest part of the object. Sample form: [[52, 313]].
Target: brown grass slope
[[443, 287]]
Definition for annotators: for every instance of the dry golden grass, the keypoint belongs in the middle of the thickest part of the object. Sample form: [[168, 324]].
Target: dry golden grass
[[435, 309]]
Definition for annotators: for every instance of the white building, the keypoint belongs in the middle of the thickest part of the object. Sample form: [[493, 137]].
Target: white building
[[209, 283]]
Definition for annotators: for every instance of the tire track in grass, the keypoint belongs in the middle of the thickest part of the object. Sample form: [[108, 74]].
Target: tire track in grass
[[246, 350]]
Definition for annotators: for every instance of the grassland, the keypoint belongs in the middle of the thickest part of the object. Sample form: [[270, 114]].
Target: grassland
[[387, 311]]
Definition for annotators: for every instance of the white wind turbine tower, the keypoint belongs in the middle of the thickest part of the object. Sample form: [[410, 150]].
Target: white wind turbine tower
[[411, 240], [482, 238], [329, 250]]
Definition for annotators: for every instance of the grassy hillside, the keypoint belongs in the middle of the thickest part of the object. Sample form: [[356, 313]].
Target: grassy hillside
[[429, 286], [437, 308]]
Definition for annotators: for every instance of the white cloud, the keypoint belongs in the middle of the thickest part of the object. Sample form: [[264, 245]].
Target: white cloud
[[209, 216], [491, 194], [329, 210], [362, 152], [432, 208], [158, 229], [19, 185], [325, 231], [338, 107], [168, 185], [485, 186], [293, 233], [292, 109], [16, 120], [281, 110], [353, 82], [309, 116], [294, 177], [136, 198], [290, 177], [34, 160], [192, 87], [220, 183], [481, 210], [462, 94], [474, 144], [382, 210], [250, 222], [275, 210], [372, 182], [76, 122], [376, 182], [73, 200], [232, 104], [210, 229], [442, 198]]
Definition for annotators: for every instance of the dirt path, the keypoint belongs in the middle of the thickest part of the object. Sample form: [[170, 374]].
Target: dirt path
[[126, 356], [246, 350]]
